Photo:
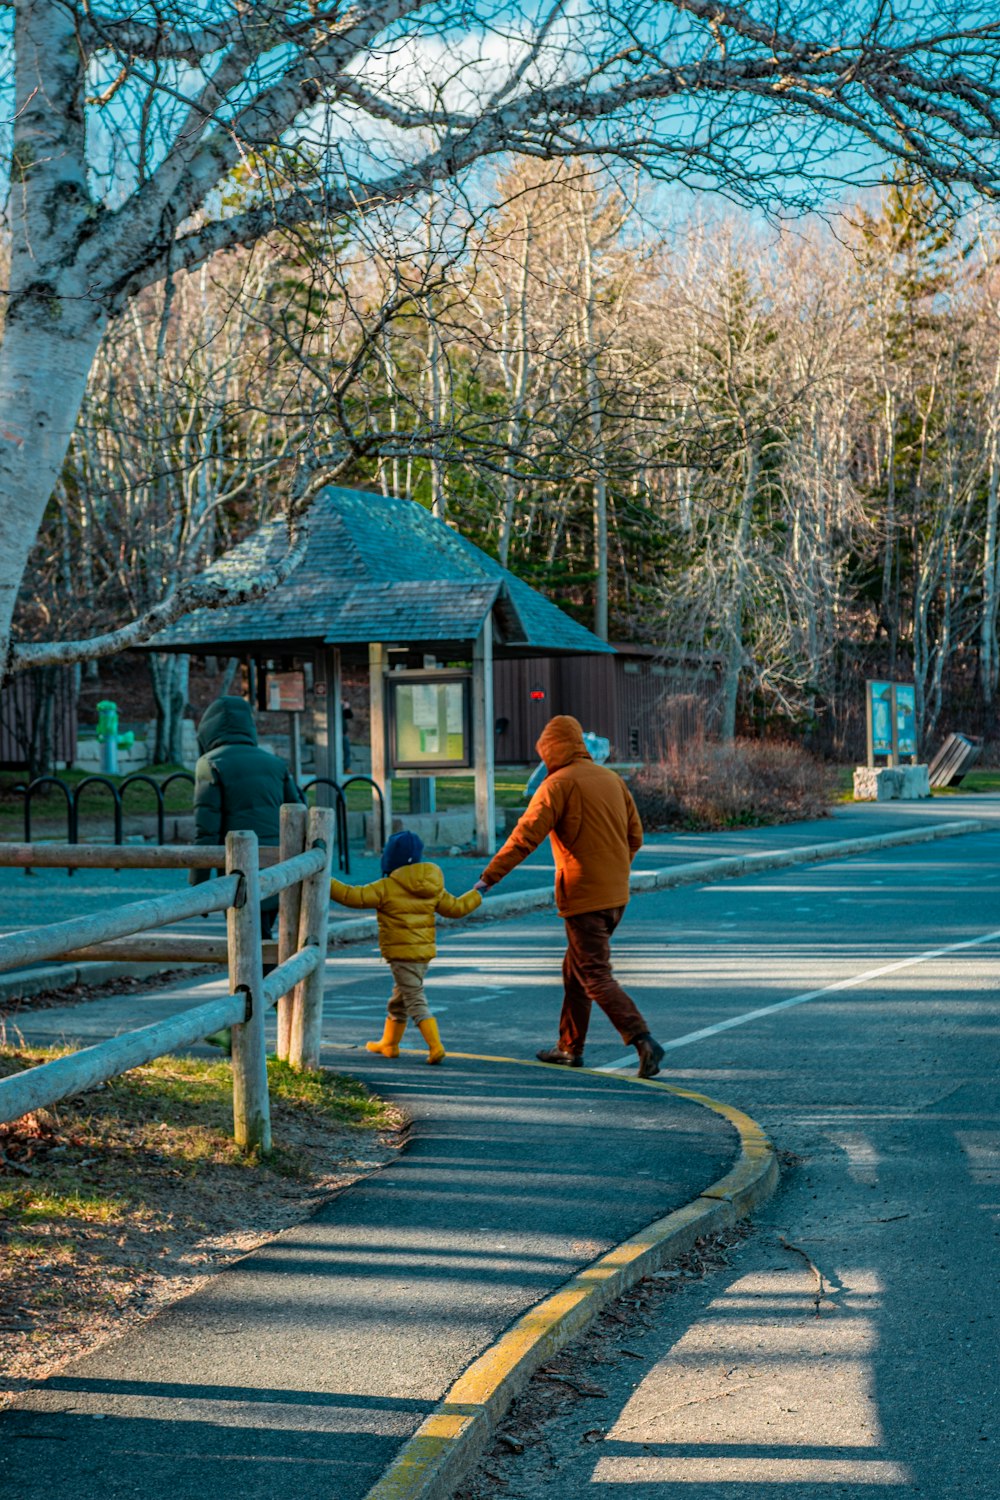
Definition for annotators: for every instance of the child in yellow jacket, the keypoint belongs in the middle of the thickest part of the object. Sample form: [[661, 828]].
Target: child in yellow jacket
[[406, 900]]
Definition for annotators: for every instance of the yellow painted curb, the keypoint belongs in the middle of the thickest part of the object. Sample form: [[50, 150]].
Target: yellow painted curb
[[447, 1443]]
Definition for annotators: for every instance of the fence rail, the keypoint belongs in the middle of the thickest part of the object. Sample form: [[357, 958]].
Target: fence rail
[[301, 876]]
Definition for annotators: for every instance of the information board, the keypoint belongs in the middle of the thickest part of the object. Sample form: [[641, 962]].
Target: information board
[[285, 692], [429, 721], [906, 719], [892, 720], [880, 702]]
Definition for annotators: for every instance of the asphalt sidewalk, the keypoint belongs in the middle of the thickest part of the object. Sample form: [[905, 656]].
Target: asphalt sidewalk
[[304, 1368]]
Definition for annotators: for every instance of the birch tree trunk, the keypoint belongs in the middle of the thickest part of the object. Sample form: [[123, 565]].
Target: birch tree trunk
[[890, 594], [439, 500], [595, 417], [170, 674], [53, 324], [517, 395]]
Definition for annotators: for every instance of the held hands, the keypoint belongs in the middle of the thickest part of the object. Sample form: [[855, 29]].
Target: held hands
[[481, 887]]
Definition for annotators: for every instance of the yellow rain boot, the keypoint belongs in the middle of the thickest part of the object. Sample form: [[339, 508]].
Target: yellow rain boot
[[431, 1035], [391, 1038]]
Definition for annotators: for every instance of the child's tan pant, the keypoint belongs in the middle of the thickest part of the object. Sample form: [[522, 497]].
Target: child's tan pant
[[408, 1001]]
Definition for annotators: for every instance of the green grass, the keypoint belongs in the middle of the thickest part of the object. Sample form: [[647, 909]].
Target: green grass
[[452, 791], [105, 1197], [843, 784], [106, 1157], [331, 1095], [178, 1111], [975, 781]]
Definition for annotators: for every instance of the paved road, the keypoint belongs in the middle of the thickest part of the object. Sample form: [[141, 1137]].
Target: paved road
[[302, 1370], [884, 1085], [887, 1090], [52, 896]]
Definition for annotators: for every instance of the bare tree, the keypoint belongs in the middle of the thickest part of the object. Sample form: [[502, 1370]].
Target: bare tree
[[130, 120]]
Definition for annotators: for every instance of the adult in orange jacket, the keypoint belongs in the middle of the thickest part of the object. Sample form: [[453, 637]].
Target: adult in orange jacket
[[588, 814]]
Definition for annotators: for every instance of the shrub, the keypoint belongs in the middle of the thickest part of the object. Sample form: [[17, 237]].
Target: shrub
[[748, 782]]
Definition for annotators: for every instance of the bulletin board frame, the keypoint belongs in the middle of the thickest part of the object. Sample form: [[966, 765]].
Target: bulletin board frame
[[406, 707]]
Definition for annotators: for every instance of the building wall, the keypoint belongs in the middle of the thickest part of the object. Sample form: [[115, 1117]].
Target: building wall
[[641, 704]]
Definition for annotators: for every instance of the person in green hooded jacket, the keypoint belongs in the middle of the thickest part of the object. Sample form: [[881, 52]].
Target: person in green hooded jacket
[[237, 785]]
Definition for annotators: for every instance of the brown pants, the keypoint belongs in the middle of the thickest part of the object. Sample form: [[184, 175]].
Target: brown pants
[[588, 980], [408, 1001]]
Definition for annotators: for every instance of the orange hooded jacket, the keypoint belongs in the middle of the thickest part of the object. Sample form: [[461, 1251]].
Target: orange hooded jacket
[[590, 817]]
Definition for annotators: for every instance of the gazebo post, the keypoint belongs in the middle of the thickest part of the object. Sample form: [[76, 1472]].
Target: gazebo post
[[335, 712], [328, 722], [482, 738], [381, 772]]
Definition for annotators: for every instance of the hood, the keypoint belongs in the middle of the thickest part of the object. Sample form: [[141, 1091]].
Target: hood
[[227, 721], [403, 848], [561, 741], [424, 881]]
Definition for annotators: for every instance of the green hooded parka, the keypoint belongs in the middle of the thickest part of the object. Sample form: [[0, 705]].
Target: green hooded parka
[[236, 784]]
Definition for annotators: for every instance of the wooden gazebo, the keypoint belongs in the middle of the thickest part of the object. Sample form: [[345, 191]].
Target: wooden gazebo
[[387, 585]]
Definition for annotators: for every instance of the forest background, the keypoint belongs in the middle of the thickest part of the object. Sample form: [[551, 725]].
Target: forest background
[[775, 448]]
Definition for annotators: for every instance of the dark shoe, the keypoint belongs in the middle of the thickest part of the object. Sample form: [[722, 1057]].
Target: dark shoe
[[650, 1055], [560, 1058]]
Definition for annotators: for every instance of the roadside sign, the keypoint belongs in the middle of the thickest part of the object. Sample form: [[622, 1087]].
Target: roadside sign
[[891, 712], [286, 692], [906, 719]]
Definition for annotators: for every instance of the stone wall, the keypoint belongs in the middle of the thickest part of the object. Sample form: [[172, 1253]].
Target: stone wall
[[891, 783]]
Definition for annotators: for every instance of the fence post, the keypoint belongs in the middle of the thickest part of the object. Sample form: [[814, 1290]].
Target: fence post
[[307, 1018], [293, 841], [251, 1106]]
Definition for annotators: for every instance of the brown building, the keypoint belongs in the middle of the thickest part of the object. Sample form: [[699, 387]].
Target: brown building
[[643, 699]]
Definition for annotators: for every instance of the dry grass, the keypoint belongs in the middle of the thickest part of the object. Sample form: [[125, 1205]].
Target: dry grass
[[118, 1202], [746, 783]]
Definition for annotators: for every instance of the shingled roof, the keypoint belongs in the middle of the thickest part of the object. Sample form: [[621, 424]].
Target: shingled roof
[[380, 569]]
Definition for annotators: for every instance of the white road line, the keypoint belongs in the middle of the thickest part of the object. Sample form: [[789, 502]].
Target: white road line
[[828, 989]]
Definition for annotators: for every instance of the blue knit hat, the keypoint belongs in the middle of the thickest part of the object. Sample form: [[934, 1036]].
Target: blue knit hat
[[402, 849]]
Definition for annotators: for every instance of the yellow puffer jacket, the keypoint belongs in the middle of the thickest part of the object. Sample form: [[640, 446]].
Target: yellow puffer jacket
[[406, 902]]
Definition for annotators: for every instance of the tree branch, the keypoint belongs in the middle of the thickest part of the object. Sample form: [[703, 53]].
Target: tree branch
[[129, 38], [213, 589]]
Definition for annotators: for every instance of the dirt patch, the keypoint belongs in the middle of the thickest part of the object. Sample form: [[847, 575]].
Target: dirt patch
[[519, 1458], [120, 1201]]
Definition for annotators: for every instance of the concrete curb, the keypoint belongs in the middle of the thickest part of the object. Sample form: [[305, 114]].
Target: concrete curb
[[777, 859], [448, 1442]]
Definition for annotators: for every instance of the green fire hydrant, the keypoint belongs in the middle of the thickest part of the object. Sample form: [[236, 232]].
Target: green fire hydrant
[[108, 737]]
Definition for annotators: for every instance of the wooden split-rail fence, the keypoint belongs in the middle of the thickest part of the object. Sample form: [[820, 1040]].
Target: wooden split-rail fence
[[299, 870]]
